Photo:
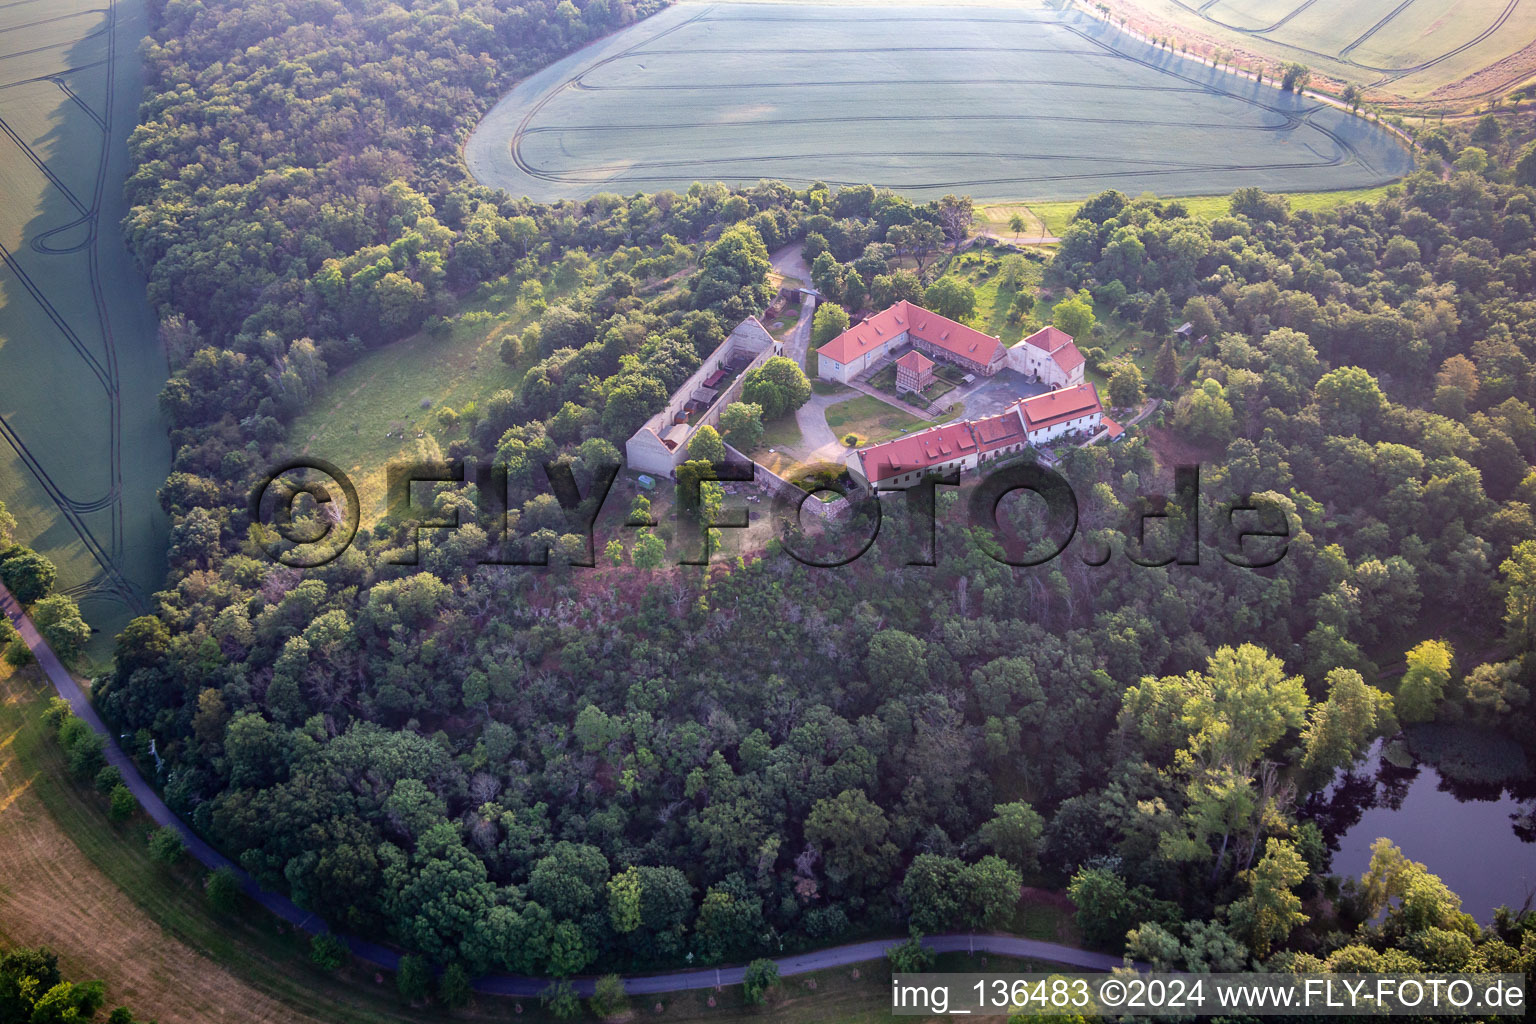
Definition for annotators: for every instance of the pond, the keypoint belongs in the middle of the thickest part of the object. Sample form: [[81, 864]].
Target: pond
[[1473, 824]]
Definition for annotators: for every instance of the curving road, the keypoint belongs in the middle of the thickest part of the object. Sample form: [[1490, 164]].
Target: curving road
[[506, 984]]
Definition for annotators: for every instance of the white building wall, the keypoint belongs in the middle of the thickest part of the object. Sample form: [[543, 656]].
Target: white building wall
[[1089, 422], [827, 369], [1036, 362]]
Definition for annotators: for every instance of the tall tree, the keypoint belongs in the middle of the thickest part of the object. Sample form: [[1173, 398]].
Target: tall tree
[[1422, 687], [827, 322], [1271, 910]]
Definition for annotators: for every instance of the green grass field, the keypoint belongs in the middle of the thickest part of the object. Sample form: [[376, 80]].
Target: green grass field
[[82, 445], [371, 412], [873, 420], [1400, 49], [1057, 215], [993, 102]]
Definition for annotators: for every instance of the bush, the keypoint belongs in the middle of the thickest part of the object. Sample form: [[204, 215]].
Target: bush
[[850, 440], [453, 987], [608, 996], [223, 891], [910, 957], [328, 952], [84, 749], [560, 999], [57, 713], [761, 976], [413, 979], [166, 846], [122, 803], [108, 779]]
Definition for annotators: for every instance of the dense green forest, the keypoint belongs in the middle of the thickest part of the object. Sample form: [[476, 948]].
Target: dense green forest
[[549, 770]]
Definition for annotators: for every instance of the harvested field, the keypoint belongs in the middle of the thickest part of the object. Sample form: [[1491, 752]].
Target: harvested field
[[994, 102], [1417, 50]]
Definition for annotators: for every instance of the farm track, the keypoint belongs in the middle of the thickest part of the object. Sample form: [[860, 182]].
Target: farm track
[[835, 83], [649, 172], [108, 553], [1399, 9], [1389, 74]]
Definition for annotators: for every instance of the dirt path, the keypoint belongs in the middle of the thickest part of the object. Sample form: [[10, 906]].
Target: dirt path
[[817, 441], [789, 262]]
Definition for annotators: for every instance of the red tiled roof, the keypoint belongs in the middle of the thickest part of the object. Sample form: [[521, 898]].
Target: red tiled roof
[[940, 331], [1059, 344], [1068, 358], [915, 361], [931, 447], [1049, 338], [998, 431], [1115, 429], [1055, 407]]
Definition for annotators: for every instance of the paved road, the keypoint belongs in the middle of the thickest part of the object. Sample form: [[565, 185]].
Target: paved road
[[510, 985]]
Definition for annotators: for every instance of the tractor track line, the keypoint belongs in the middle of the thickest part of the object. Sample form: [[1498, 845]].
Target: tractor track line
[[582, 86], [42, 165], [52, 20], [1097, 48], [1387, 74], [108, 556], [904, 119], [98, 370], [50, 76], [1292, 118], [1399, 9], [52, 46]]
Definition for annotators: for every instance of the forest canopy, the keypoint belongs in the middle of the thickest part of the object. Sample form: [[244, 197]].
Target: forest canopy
[[525, 770]]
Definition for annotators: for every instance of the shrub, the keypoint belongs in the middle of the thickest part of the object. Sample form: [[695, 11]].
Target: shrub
[[413, 979], [761, 976], [608, 997], [223, 891], [560, 999], [108, 779], [328, 953], [453, 987], [57, 713], [84, 749], [166, 846], [910, 957], [122, 803]]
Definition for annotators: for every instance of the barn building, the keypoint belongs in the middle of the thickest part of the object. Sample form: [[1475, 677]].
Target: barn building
[[867, 345], [970, 444], [661, 443]]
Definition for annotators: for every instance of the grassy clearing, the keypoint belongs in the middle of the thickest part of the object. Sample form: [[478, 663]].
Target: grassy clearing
[[872, 420], [372, 412], [1057, 215], [723, 113], [997, 219], [980, 268]]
